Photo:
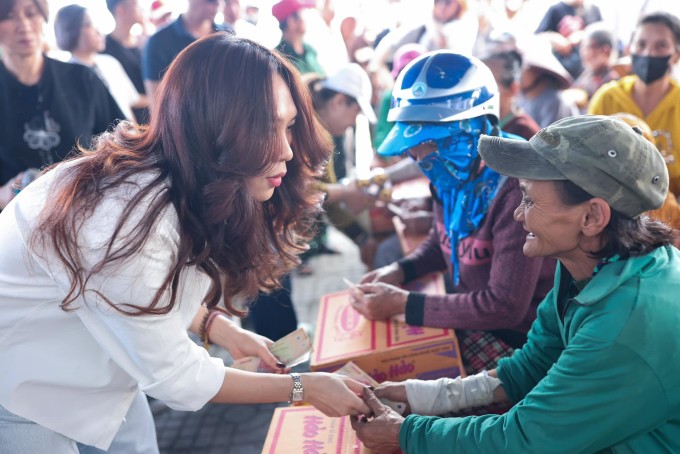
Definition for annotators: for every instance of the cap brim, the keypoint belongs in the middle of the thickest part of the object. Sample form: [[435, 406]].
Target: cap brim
[[367, 110], [516, 158], [403, 136]]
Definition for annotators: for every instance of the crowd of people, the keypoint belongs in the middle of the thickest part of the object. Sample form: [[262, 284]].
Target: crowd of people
[[152, 182]]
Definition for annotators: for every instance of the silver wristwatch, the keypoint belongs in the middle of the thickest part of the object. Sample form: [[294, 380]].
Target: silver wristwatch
[[297, 394]]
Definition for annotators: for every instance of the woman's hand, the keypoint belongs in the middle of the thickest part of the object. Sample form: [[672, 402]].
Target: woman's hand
[[241, 343], [381, 434], [378, 301], [333, 394], [390, 274], [395, 392]]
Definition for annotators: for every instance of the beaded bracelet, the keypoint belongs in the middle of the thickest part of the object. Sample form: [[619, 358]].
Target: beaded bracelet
[[204, 321]]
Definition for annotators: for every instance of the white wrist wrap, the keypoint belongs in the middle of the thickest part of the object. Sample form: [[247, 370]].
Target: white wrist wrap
[[448, 395]]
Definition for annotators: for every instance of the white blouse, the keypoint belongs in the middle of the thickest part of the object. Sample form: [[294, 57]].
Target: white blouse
[[77, 372]]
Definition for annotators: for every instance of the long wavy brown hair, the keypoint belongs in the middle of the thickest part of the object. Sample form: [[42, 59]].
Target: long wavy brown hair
[[212, 127]]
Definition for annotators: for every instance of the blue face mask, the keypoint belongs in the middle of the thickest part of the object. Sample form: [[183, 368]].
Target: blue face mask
[[456, 158], [465, 193]]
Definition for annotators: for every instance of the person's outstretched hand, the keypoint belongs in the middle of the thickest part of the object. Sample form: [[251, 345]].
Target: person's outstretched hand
[[378, 301], [381, 434], [240, 343], [394, 391], [334, 394]]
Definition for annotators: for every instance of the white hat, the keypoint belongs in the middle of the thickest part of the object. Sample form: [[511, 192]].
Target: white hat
[[539, 56], [352, 80]]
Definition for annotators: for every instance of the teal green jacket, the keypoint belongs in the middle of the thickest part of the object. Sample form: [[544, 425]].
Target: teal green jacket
[[604, 377]]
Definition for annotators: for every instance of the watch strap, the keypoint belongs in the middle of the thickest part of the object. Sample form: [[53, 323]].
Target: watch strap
[[297, 394]]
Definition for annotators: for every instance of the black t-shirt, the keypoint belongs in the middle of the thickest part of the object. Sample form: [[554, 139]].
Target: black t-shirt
[[552, 21], [40, 124], [565, 19], [130, 59]]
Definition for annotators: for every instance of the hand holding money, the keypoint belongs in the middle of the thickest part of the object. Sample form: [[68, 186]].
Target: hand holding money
[[353, 371], [291, 350]]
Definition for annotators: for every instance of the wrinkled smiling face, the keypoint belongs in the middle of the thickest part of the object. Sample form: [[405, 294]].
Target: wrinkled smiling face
[[553, 228], [262, 187]]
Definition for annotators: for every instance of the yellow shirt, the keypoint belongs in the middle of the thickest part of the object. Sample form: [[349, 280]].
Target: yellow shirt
[[664, 120]]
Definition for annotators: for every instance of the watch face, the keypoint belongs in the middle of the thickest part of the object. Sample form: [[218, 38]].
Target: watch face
[[296, 396]]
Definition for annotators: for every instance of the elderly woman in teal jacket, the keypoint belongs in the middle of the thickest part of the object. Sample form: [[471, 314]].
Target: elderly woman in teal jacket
[[599, 370]]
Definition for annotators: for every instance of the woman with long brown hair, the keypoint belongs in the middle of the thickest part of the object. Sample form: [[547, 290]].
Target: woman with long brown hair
[[110, 257]]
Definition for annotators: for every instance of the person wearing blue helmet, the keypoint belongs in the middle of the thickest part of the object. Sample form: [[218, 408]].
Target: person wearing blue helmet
[[443, 102]]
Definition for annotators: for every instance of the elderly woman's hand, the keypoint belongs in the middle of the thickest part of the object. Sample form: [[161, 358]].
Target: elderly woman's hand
[[334, 394], [381, 434], [395, 392], [378, 301]]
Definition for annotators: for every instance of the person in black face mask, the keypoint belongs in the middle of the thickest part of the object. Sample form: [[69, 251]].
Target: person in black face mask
[[650, 93]]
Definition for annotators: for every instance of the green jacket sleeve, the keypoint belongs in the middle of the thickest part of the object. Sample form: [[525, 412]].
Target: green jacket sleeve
[[383, 127], [596, 396], [527, 366]]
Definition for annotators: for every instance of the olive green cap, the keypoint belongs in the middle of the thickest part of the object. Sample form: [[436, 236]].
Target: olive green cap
[[602, 155]]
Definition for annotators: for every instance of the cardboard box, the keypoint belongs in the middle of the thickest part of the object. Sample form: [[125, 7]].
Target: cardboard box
[[305, 429], [386, 350]]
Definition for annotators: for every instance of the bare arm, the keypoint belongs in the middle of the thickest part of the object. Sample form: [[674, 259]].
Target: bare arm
[[334, 395]]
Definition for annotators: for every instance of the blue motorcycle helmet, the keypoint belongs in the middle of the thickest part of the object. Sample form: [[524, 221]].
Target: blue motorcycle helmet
[[435, 88], [449, 100]]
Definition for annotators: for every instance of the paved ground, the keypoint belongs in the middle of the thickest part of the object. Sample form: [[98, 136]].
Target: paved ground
[[241, 429]]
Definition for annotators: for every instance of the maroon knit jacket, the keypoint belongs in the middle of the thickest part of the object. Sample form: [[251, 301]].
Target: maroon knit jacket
[[499, 286]]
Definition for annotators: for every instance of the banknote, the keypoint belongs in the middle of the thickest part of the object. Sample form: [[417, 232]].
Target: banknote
[[353, 371], [292, 350], [352, 285]]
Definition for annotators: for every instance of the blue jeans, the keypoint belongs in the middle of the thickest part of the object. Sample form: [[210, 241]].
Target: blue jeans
[[137, 435], [21, 436]]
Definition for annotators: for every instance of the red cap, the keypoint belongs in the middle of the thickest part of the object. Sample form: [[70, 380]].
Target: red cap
[[158, 10], [285, 8]]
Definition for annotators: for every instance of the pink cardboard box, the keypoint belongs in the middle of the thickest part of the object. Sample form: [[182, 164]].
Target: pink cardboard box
[[296, 430], [386, 350]]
